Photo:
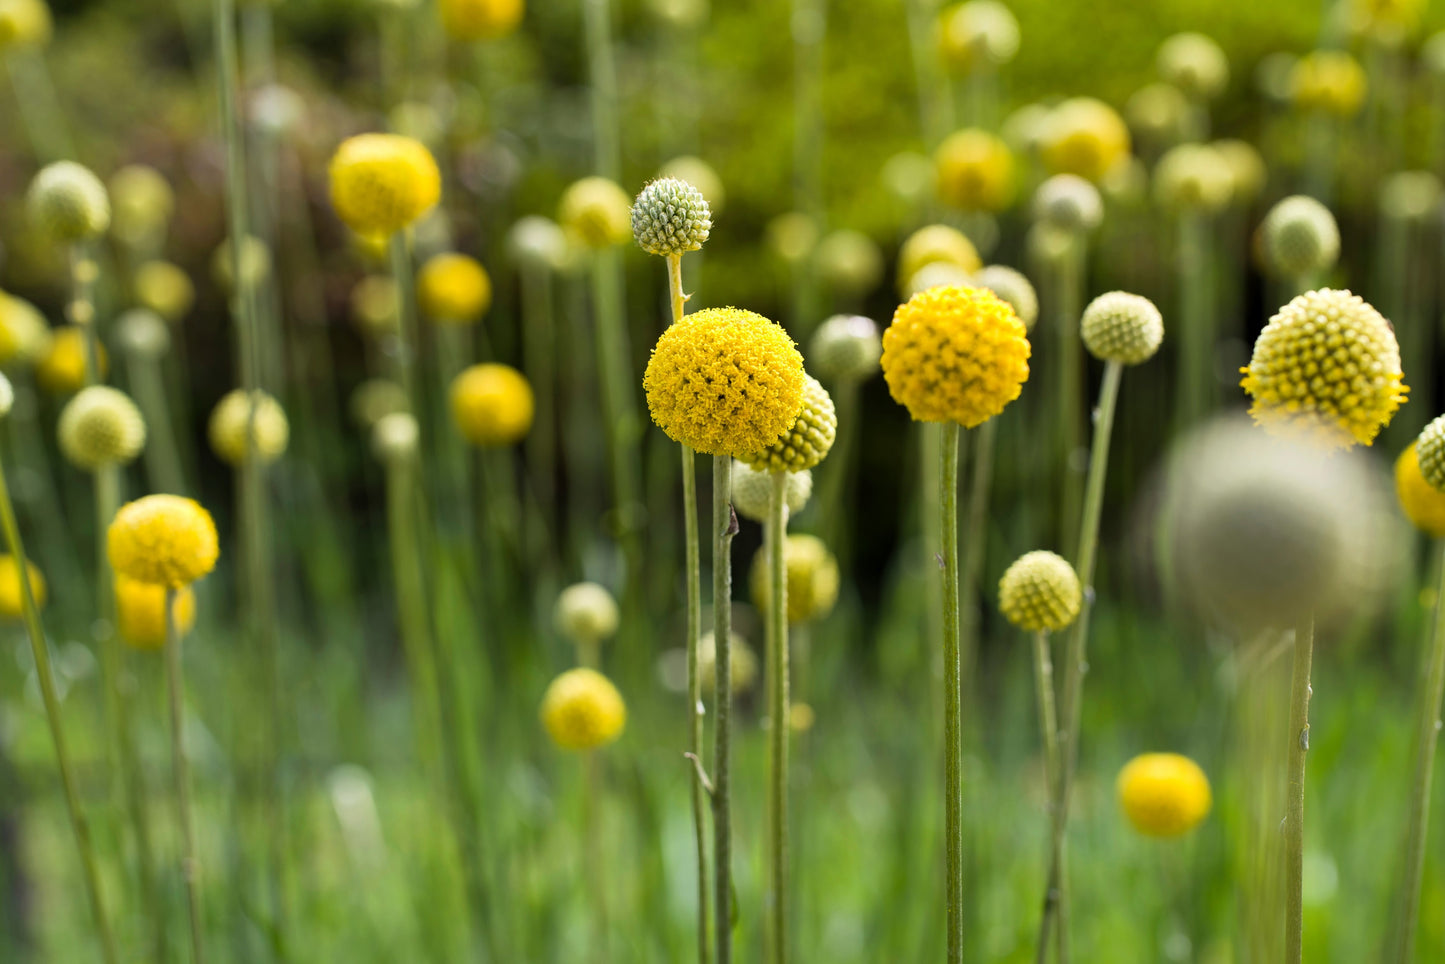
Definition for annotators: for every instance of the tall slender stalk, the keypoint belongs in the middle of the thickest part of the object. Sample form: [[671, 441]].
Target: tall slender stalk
[[809, 24], [619, 407], [401, 273], [81, 309], [778, 717], [162, 456], [602, 73], [724, 527], [539, 355], [1294, 819], [1197, 321], [984, 443], [40, 111], [1049, 728], [952, 691], [190, 872], [1068, 292], [833, 485]]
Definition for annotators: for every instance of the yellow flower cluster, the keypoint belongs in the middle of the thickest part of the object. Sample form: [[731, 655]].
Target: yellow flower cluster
[[935, 244], [453, 289], [140, 612], [582, 710], [168, 540], [380, 183], [62, 370], [1086, 137], [596, 212], [269, 429], [10, 589], [812, 575], [975, 171], [471, 20], [165, 289], [101, 427], [1423, 504], [809, 439], [1164, 794], [1040, 592], [1330, 81], [492, 405]]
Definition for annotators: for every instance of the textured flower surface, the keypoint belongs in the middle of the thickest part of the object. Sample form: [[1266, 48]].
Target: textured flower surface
[[933, 244], [955, 355], [1040, 592], [1423, 503], [812, 575], [670, 217], [270, 430], [1086, 137], [1430, 450], [10, 598], [471, 20], [1164, 794], [725, 381], [62, 370], [68, 203], [1326, 365], [586, 613], [453, 289], [1122, 327], [380, 183], [101, 426], [1299, 237], [582, 710], [597, 212], [492, 405], [753, 489], [164, 539], [809, 439], [140, 612], [1012, 287], [975, 171]]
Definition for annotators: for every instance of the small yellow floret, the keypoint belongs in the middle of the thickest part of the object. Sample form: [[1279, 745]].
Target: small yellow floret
[[165, 539], [471, 20], [140, 612], [453, 289], [62, 370], [10, 605], [975, 171], [380, 183], [492, 405], [582, 710], [1086, 137], [1164, 794]]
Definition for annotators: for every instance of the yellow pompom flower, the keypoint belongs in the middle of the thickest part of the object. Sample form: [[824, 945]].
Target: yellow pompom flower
[[141, 203], [10, 598], [471, 20], [165, 289], [812, 574], [935, 244], [1040, 592], [227, 429], [164, 539], [24, 23], [582, 710], [955, 355], [62, 370], [380, 183], [24, 333], [809, 439], [975, 171], [1423, 504], [725, 381], [68, 202], [597, 212], [492, 404], [1328, 80], [1326, 365], [1164, 794], [140, 612], [1086, 137], [453, 289]]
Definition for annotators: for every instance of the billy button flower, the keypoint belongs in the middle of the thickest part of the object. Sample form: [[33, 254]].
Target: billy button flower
[[234, 413], [24, 23], [381, 183], [1422, 503], [670, 217], [1163, 794], [453, 289], [935, 243], [1122, 327], [752, 489], [596, 212], [975, 171], [1195, 64], [492, 405], [25, 336], [1330, 81], [168, 540], [11, 606], [808, 440], [1298, 239], [582, 710], [586, 614], [140, 609], [812, 579], [62, 370], [100, 428], [472, 20], [1040, 593], [1084, 136], [978, 35], [68, 203], [165, 289]]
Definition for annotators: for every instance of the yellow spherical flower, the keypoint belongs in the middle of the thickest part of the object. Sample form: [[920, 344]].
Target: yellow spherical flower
[[597, 212], [141, 203], [227, 429], [1164, 794], [582, 710], [492, 405], [725, 381], [140, 612], [975, 171], [100, 427], [812, 574], [10, 598], [809, 439], [955, 355], [471, 20], [26, 334], [1326, 365], [165, 539], [1040, 592], [24, 23], [935, 244], [1328, 80], [453, 289], [1086, 137], [62, 370], [380, 183], [165, 289], [1424, 505]]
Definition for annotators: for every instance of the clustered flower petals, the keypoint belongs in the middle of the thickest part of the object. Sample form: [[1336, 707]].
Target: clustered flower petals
[[670, 217], [168, 540], [380, 183], [1040, 592], [809, 439], [1122, 327], [582, 710]]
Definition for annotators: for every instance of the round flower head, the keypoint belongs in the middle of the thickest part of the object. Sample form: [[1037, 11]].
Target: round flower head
[[1423, 504], [1120, 327], [933, 244], [1158, 113], [68, 203], [978, 35], [670, 217], [394, 438], [1246, 168], [453, 289], [1299, 237], [1012, 287], [255, 264], [101, 427], [24, 23], [276, 109], [10, 588], [269, 429], [141, 201], [809, 439], [1085, 137], [62, 370], [492, 405], [143, 334], [1330, 81], [1430, 450], [24, 333], [1410, 195], [586, 613], [164, 539], [1025, 128], [701, 175], [537, 242], [753, 488], [1068, 203], [472, 20], [955, 355], [725, 381], [1193, 177], [1328, 365], [374, 399], [380, 183], [742, 662], [140, 612], [165, 289], [582, 710], [846, 347], [597, 212], [1164, 794], [1040, 593], [812, 575], [939, 274], [1195, 64], [849, 262], [975, 171], [373, 305]]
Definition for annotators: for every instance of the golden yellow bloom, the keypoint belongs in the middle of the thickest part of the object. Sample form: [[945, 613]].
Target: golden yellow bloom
[[165, 289], [471, 20], [955, 355], [140, 612], [597, 212], [585, 612], [453, 289], [492, 405], [582, 710], [724, 381], [1424, 505], [100, 427], [975, 171], [1086, 137], [1328, 80], [934, 244], [380, 183], [812, 574], [141, 202], [1327, 365], [1164, 794], [165, 539], [809, 439], [24, 23], [1040, 592], [24, 332], [62, 370], [977, 35], [269, 429], [10, 606]]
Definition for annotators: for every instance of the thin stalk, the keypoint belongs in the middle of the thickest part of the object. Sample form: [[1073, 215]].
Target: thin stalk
[[81, 309], [189, 869], [162, 457], [618, 407], [778, 718], [1294, 819], [401, 274], [1196, 320], [833, 486], [984, 443], [602, 73], [106, 484], [40, 111], [930, 454], [1068, 293], [1049, 730], [41, 654], [538, 352], [952, 691], [809, 24], [593, 836], [412, 613], [724, 527]]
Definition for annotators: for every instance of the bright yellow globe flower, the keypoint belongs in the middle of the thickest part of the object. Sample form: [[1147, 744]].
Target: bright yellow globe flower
[[1040, 592], [140, 612], [269, 429], [582, 710], [935, 244], [596, 212], [472, 20], [975, 171], [1086, 137], [10, 604], [812, 574], [1330, 81], [62, 370], [1423, 504], [165, 289], [453, 289], [492, 405], [1164, 794], [380, 183], [164, 539]]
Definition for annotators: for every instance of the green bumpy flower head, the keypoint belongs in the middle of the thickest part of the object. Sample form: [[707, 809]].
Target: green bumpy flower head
[[670, 217], [846, 347], [934, 244], [1084, 136], [262, 414], [586, 613], [597, 212], [380, 183], [1299, 237], [68, 203], [1195, 64], [955, 355], [101, 427], [1326, 365], [939, 274], [975, 171], [849, 262], [1430, 449], [809, 439], [812, 576], [753, 488], [1040, 593], [978, 35], [1120, 327], [725, 381], [1193, 177], [1068, 203], [1422, 503], [1012, 287]]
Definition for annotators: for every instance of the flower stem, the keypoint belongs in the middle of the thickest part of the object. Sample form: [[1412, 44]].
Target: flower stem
[[81, 309], [833, 503], [618, 409], [1068, 292], [1049, 729], [1294, 820], [162, 456], [778, 717], [539, 354], [984, 443], [952, 691], [724, 526], [401, 274], [1197, 322], [189, 870], [602, 73]]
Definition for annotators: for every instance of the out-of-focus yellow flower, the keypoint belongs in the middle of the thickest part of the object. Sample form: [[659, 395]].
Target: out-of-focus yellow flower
[[453, 289], [101, 427], [24, 333], [471, 20], [140, 612], [1164, 794], [165, 539], [1424, 505], [141, 202], [742, 662], [373, 305], [1193, 177], [1195, 64], [62, 370], [227, 429], [597, 212], [975, 171], [977, 35], [380, 183], [812, 575], [165, 289], [492, 405], [1330, 81], [10, 599], [24, 23], [68, 203], [809, 439], [1086, 137], [933, 244], [582, 710], [586, 613], [1040, 592]]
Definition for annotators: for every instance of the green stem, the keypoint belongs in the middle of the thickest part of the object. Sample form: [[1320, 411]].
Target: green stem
[[1294, 820], [952, 691], [539, 361], [162, 457], [412, 613], [1068, 294], [401, 274], [81, 309], [190, 872], [40, 109], [724, 527], [984, 443], [778, 716], [930, 451], [602, 71], [594, 837], [1049, 729], [1196, 321], [106, 481], [618, 407], [833, 484]]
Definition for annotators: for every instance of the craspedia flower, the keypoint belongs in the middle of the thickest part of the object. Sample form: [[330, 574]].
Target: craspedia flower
[[380, 183], [140, 612], [101, 427], [1158, 113], [1246, 168], [453, 289], [582, 710], [812, 575], [374, 399], [141, 203], [165, 289], [227, 429], [597, 212], [724, 381], [955, 355], [932, 244], [62, 370], [142, 333], [1068, 203], [939, 274], [1012, 287], [1120, 327], [753, 488], [701, 175], [846, 347], [68, 203], [1299, 237], [1330, 81], [1430, 451], [395, 437], [492, 405], [792, 236], [1195, 64], [164, 539], [25, 335], [538, 242], [1423, 503], [10, 590], [742, 662], [472, 20], [373, 305], [810, 438], [1164, 794], [1328, 365], [586, 613], [1193, 177], [1040, 593], [978, 35], [1084, 136], [975, 171], [670, 217], [24, 23], [849, 262]]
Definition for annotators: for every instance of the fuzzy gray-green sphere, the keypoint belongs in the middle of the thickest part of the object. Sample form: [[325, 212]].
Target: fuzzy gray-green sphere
[[143, 333], [753, 487], [1069, 203], [101, 426], [68, 202], [1011, 286], [1120, 327], [846, 347], [670, 217], [1430, 448], [1299, 237]]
